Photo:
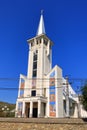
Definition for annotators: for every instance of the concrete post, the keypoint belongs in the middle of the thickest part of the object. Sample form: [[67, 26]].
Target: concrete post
[[39, 108], [31, 109], [23, 110], [67, 98]]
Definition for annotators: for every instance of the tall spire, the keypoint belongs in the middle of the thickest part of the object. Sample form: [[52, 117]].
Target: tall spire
[[41, 27]]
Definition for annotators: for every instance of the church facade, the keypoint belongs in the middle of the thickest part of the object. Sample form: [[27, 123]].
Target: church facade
[[43, 92]]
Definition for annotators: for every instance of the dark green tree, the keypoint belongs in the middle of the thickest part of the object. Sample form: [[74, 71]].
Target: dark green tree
[[84, 96]]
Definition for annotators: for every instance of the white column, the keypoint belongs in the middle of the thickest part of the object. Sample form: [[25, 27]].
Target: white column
[[39, 108], [23, 110], [48, 48], [16, 111], [31, 109], [75, 111], [50, 59], [42, 70], [19, 87], [42, 40], [35, 41]]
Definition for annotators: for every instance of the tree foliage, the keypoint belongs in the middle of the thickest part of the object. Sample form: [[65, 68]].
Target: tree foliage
[[5, 113], [84, 96]]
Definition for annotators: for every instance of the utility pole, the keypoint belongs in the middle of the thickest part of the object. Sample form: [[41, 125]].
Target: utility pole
[[67, 98], [79, 111]]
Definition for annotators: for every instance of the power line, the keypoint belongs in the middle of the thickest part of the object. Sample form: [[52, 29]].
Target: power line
[[27, 88], [76, 79]]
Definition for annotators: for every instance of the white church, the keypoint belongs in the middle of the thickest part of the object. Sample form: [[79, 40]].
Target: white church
[[44, 92]]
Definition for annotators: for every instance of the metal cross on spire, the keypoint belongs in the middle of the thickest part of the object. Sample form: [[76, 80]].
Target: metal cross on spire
[[42, 11]]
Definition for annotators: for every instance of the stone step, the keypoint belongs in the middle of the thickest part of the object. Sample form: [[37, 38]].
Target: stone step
[[45, 120]]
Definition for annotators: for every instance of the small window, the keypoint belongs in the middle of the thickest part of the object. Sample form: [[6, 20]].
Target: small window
[[36, 51], [35, 65], [35, 57], [34, 73], [31, 43], [33, 93], [45, 42], [40, 40], [37, 42]]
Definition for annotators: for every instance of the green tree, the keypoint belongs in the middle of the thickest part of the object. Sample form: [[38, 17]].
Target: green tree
[[84, 96]]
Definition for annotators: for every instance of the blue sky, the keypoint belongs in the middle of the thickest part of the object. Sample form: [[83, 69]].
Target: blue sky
[[65, 24]]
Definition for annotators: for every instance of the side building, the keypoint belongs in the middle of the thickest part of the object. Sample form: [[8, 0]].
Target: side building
[[42, 93]]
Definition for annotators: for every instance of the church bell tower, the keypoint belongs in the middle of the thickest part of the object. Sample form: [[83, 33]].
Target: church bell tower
[[40, 57]]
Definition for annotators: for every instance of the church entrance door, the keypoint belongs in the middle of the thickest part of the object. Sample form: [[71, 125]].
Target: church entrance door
[[35, 112]]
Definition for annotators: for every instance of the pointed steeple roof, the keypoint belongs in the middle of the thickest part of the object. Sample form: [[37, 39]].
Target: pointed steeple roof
[[41, 27]]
